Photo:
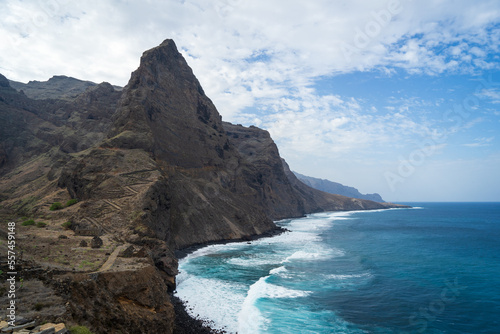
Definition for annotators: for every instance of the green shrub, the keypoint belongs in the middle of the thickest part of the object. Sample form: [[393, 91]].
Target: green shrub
[[41, 224], [79, 330], [28, 222], [71, 202], [56, 206], [66, 225]]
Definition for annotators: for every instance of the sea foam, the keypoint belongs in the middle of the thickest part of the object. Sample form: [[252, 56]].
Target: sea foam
[[250, 318], [235, 307], [212, 300], [321, 254]]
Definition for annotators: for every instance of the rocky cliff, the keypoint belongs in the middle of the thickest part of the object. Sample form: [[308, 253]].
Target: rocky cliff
[[336, 188], [276, 189], [152, 169], [167, 143]]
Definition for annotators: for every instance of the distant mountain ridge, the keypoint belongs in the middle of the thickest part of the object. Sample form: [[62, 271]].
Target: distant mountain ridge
[[58, 87], [337, 188]]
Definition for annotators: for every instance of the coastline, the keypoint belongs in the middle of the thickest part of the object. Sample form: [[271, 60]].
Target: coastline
[[182, 253], [184, 322], [187, 324]]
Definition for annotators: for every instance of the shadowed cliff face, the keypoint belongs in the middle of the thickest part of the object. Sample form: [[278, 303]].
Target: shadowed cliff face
[[276, 188], [263, 171], [30, 128], [165, 105]]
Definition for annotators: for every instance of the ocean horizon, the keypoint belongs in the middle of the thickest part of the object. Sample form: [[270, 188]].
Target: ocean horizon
[[432, 268]]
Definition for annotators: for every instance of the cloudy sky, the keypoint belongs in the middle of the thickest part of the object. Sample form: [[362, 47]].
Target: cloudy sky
[[399, 97]]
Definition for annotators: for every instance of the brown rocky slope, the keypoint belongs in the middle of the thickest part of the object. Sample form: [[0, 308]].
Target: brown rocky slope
[[154, 170]]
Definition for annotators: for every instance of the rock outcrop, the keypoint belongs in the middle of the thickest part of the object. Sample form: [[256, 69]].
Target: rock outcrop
[[129, 301]]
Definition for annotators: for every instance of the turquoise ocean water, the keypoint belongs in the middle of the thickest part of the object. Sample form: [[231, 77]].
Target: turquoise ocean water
[[434, 268]]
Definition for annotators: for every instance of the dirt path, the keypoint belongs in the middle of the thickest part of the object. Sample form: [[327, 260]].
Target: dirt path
[[111, 259]]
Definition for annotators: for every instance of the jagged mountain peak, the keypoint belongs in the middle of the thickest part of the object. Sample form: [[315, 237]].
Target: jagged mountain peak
[[162, 100], [164, 64]]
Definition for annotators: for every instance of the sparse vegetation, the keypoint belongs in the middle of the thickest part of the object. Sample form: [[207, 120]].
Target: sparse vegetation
[[56, 206], [28, 222], [86, 263], [67, 225], [71, 202], [38, 306], [79, 330], [41, 224]]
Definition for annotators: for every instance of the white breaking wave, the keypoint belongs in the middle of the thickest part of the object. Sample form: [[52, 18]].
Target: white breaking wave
[[212, 249], [277, 271], [322, 254], [250, 319], [255, 260], [212, 300]]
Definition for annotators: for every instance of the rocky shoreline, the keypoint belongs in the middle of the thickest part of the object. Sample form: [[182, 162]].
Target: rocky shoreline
[[186, 324], [182, 253]]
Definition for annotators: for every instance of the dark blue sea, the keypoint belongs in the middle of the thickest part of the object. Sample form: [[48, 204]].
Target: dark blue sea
[[434, 268]]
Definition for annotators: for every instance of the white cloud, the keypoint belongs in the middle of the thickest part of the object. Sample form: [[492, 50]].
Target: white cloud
[[328, 125], [480, 142], [101, 40], [492, 94]]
